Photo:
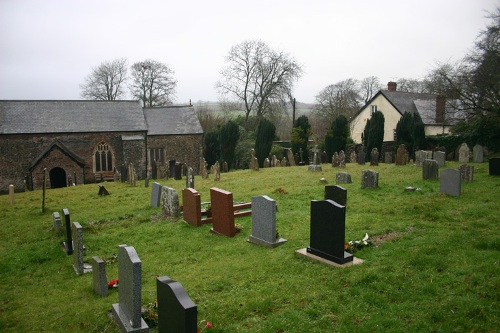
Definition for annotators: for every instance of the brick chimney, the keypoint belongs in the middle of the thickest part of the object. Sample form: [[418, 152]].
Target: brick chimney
[[391, 86], [440, 108]]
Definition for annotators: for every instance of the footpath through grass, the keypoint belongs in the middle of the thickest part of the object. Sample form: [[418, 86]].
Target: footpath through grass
[[435, 267]]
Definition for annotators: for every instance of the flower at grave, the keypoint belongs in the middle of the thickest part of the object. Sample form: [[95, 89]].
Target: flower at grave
[[113, 284], [353, 246], [205, 324], [151, 314]]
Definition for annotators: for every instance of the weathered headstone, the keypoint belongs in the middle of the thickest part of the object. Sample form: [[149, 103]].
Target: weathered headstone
[[267, 163], [450, 182], [420, 156], [335, 160], [327, 234], [440, 158], [374, 156], [264, 222], [463, 153], [155, 195], [401, 155], [315, 166], [341, 159], [354, 157], [100, 281], [430, 169], [274, 161], [291, 158], [336, 193], [361, 155], [324, 157], [369, 179], [190, 178], [494, 166], [216, 171], [388, 157], [178, 171], [176, 311], [56, 220], [466, 172], [127, 312], [222, 212], [191, 202], [77, 234], [343, 178], [170, 201], [478, 154], [68, 244], [102, 190], [284, 162]]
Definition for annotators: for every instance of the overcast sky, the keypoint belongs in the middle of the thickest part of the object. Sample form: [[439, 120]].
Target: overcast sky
[[48, 47]]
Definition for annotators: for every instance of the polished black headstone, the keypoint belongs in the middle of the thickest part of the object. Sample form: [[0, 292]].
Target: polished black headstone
[[328, 231], [336, 193], [176, 311], [494, 165], [68, 245]]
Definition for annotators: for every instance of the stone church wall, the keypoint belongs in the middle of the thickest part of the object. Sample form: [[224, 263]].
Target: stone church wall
[[186, 149]]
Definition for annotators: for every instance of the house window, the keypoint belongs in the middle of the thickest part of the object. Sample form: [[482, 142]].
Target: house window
[[103, 158], [156, 155], [395, 136], [374, 109]]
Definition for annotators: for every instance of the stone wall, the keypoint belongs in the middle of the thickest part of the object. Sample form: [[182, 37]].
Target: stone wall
[[186, 149]]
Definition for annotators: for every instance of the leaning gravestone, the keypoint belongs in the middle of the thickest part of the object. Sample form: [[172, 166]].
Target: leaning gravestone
[[466, 172], [430, 169], [450, 182], [440, 158], [478, 154], [343, 178], [170, 201], [463, 153], [264, 222], [78, 265], [56, 220], [127, 312], [494, 166], [336, 193], [155, 195], [369, 179], [100, 281], [68, 245], [176, 311], [327, 234]]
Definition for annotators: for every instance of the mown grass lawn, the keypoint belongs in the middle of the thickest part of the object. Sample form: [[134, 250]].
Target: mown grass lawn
[[435, 267]]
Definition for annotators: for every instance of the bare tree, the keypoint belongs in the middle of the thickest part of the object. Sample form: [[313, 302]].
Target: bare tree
[[369, 86], [412, 85], [152, 83], [258, 77], [341, 98], [106, 81]]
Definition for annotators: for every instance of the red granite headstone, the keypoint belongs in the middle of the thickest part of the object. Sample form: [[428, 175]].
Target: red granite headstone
[[222, 212], [191, 203]]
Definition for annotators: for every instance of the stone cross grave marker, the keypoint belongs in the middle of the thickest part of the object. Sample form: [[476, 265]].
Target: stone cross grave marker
[[450, 182], [430, 169], [176, 311], [343, 178], [327, 234], [155, 195], [463, 153], [99, 279], [336, 193], [191, 201], [170, 201], [264, 222], [56, 220], [466, 172], [68, 244], [494, 166], [440, 158], [478, 154], [369, 179], [127, 312]]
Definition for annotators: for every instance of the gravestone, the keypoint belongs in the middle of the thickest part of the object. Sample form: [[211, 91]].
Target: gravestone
[[56, 220], [494, 166], [466, 172], [324, 157], [191, 202], [369, 179], [68, 244], [343, 178], [204, 172], [430, 169], [388, 157], [170, 201], [420, 156], [374, 156], [361, 156], [264, 222], [155, 195], [291, 158], [127, 312], [354, 157], [190, 178], [315, 166], [342, 159], [401, 155], [102, 190], [178, 171], [176, 311], [440, 158], [463, 153], [100, 281], [225, 167], [327, 234], [335, 160], [146, 182], [222, 212], [478, 154], [267, 163], [216, 171], [77, 234], [274, 161], [336, 193], [284, 162], [450, 182]]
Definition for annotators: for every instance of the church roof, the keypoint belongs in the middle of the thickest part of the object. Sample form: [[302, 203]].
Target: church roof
[[172, 120], [31, 117]]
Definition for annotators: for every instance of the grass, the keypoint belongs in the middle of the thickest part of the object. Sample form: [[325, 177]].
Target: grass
[[435, 267]]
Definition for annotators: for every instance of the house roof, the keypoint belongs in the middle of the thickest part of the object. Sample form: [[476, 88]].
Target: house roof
[[30, 117], [171, 120], [404, 101]]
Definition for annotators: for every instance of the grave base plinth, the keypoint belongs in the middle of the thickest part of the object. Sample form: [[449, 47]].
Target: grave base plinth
[[303, 252], [124, 322], [258, 241]]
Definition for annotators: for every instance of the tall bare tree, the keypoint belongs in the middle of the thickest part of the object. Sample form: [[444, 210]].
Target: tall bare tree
[[258, 77], [368, 87], [341, 98], [106, 81], [152, 83]]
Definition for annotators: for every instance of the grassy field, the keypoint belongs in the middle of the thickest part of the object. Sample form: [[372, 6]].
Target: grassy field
[[435, 266]]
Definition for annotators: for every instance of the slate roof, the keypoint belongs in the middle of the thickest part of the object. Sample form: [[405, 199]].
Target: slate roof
[[31, 117], [64, 149], [403, 101], [172, 120]]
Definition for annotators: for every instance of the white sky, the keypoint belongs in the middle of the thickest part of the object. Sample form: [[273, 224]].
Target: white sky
[[48, 47]]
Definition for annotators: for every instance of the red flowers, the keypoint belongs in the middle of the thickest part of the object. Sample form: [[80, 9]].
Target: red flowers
[[208, 324], [113, 283]]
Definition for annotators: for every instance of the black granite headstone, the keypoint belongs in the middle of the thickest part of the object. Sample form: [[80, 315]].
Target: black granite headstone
[[171, 168], [68, 245], [494, 165], [336, 193], [328, 231], [178, 171], [176, 311]]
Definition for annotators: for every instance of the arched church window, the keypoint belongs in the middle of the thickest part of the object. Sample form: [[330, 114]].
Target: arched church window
[[103, 158]]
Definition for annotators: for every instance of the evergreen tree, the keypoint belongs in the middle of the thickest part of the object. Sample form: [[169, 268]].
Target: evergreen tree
[[229, 134], [336, 138], [212, 148], [375, 133], [264, 136], [410, 132], [300, 137], [418, 132]]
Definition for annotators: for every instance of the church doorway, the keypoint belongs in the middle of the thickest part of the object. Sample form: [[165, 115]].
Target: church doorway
[[57, 177]]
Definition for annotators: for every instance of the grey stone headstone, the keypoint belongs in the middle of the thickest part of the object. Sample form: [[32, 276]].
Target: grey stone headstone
[[343, 178], [170, 201], [77, 248], [430, 169], [450, 182], [361, 157], [100, 280], [478, 154], [264, 222], [56, 220], [155, 195], [494, 166], [420, 156], [336, 193], [428, 154], [466, 172], [68, 244], [127, 312], [463, 153], [440, 158], [388, 157], [190, 178], [369, 179], [176, 311]]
